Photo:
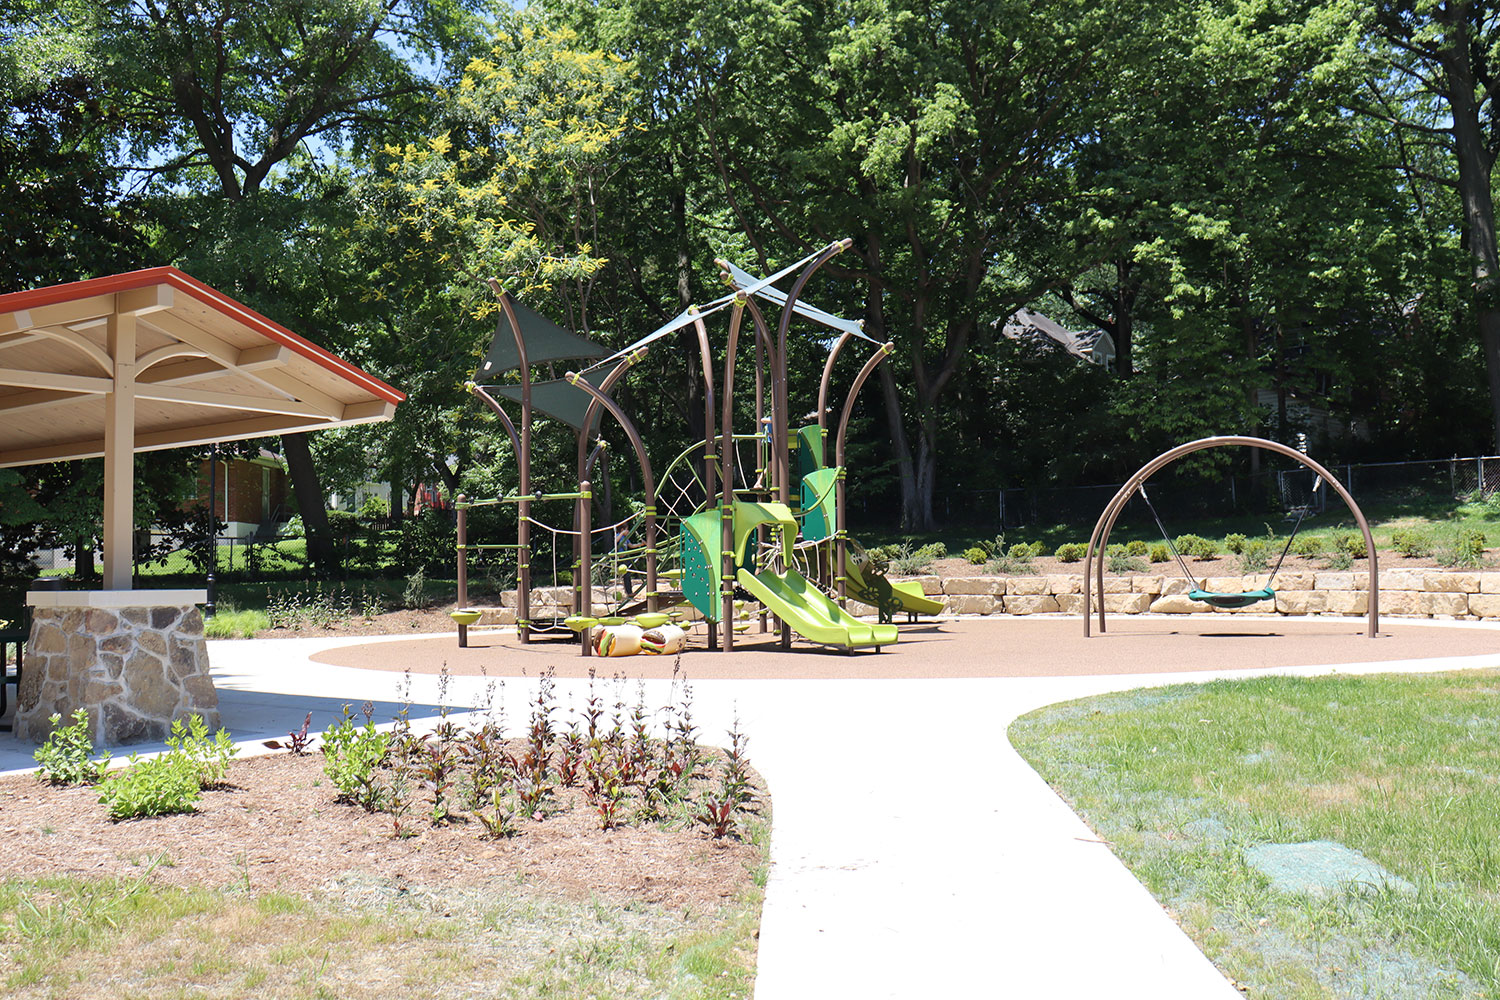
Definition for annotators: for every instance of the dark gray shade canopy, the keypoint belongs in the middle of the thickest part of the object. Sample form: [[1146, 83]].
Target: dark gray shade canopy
[[545, 341], [560, 399]]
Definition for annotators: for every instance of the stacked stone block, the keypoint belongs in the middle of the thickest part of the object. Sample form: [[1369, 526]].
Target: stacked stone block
[[136, 670]]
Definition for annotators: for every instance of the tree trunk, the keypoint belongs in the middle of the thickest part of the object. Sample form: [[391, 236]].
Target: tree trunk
[[1474, 163], [687, 337], [310, 505]]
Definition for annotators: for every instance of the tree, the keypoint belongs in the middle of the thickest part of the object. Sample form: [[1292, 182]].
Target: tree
[[215, 97], [1434, 83]]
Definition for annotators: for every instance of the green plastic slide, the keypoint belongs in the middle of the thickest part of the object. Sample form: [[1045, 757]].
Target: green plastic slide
[[868, 588], [792, 598]]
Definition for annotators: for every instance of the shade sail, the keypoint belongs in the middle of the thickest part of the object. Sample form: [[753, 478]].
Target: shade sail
[[544, 339], [744, 279], [185, 364], [561, 399]]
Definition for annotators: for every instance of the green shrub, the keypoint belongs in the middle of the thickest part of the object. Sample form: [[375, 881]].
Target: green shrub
[[158, 787], [906, 562], [1124, 562], [351, 758], [1464, 547], [210, 756], [1160, 553], [976, 556], [342, 524], [1339, 560], [1197, 546], [1308, 545], [230, 623], [1071, 552], [1255, 555], [67, 756], [935, 550], [1413, 543], [1136, 548], [1025, 551], [1235, 543], [1004, 565], [1349, 541]]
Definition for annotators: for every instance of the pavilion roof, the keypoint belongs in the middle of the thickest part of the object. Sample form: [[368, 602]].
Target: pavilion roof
[[203, 368]]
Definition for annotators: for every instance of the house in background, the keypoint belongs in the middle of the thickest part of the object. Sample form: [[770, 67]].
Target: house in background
[[251, 495]]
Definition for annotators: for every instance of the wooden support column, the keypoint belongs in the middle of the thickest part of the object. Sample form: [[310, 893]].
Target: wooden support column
[[119, 454]]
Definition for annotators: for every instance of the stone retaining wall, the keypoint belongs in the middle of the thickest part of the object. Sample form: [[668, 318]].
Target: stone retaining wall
[[1427, 593], [136, 670]]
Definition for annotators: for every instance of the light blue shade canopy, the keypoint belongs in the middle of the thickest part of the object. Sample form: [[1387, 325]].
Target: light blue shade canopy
[[744, 279], [689, 315]]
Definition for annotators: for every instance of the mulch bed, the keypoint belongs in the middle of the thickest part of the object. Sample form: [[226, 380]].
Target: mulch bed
[[275, 826]]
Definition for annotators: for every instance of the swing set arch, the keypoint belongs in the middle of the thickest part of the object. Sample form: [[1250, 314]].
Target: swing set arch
[[1100, 537]]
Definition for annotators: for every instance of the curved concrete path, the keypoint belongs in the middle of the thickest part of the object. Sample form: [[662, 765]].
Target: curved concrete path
[[914, 853]]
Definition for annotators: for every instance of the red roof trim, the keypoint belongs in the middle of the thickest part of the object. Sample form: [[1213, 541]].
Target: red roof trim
[[174, 278]]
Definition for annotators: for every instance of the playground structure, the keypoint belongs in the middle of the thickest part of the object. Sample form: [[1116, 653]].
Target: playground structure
[[725, 533], [1093, 563]]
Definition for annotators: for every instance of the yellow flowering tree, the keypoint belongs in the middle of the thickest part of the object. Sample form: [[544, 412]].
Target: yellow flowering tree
[[510, 187]]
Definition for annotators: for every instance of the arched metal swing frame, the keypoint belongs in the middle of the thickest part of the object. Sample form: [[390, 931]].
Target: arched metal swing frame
[[1100, 538]]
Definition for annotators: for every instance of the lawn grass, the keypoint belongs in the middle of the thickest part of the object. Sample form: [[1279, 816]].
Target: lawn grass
[[1406, 770], [78, 937]]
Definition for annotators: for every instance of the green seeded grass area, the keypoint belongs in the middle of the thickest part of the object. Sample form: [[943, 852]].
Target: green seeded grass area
[[1183, 780]]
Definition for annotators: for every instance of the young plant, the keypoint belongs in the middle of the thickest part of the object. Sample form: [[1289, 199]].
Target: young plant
[[211, 757], [297, 741], [157, 787], [67, 758], [352, 756], [717, 813], [499, 821], [1071, 552]]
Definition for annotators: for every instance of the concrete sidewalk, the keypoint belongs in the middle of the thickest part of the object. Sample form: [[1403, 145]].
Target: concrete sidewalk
[[914, 853]]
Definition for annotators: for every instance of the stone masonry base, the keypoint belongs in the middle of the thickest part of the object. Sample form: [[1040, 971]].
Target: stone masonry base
[[135, 669]]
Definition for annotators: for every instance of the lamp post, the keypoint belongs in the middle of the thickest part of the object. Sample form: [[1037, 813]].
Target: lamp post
[[213, 527]]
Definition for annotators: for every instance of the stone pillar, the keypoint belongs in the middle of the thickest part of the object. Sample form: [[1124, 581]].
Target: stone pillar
[[135, 659]]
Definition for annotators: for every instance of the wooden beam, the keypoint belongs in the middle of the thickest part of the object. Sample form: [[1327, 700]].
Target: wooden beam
[[11, 405], [252, 360], [232, 401], [73, 311], [277, 381], [141, 301], [54, 380], [14, 322], [179, 437], [119, 456], [377, 409]]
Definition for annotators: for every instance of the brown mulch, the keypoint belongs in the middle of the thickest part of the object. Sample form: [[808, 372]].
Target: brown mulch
[[405, 621], [274, 826]]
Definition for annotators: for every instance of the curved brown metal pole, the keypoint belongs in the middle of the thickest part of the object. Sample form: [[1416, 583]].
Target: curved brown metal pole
[[647, 479], [592, 413], [706, 361], [781, 433], [823, 386], [523, 458], [1100, 537], [510, 428], [840, 496], [726, 503]]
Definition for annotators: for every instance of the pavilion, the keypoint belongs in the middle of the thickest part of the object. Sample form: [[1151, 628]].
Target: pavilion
[[145, 361]]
